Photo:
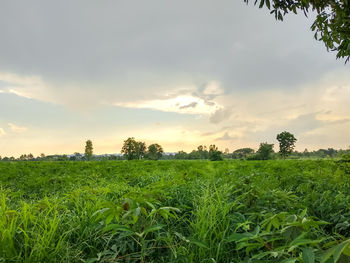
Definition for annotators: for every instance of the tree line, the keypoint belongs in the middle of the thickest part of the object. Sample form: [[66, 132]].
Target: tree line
[[138, 150]]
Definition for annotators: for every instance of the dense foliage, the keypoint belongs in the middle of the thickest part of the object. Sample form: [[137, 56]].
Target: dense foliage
[[155, 152], [88, 150], [332, 23], [265, 151], [286, 142], [175, 211], [133, 150]]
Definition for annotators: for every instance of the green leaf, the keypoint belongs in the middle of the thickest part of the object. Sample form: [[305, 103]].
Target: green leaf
[[338, 250], [242, 245], [198, 243], [256, 230], [137, 211], [335, 251], [182, 237], [91, 260], [153, 228], [109, 218], [346, 251], [116, 227], [261, 3], [150, 205], [289, 260], [169, 208], [308, 255], [303, 213], [164, 214], [239, 237], [302, 241], [280, 17]]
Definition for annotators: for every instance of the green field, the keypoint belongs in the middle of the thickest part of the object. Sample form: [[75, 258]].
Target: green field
[[175, 211]]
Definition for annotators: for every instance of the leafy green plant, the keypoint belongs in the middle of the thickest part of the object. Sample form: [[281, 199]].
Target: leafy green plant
[[175, 211], [134, 230]]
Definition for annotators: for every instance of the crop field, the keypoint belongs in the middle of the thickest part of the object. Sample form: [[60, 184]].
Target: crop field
[[175, 211]]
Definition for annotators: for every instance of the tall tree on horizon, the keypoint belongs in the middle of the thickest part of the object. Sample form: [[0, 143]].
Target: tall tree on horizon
[[133, 150], [287, 143], [88, 149], [155, 152]]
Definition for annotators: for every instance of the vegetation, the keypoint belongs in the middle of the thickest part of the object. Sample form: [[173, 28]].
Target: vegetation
[[88, 150], [242, 153], [136, 150], [155, 152], [332, 23], [264, 152], [287, 143], [133, 150], [175, 211], [214, 153]]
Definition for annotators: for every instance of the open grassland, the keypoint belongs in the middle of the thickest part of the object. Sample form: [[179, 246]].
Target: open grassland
[[175, 211]]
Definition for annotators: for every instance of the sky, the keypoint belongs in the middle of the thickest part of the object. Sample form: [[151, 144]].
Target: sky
[[178, 73]]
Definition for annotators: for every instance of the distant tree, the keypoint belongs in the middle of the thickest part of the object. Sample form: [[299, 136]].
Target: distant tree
[[155, 152], [133, 150], [200, 148], [194, 155], [331, 25], [330, 152], [242, 153], [214, 153], [181, 155], [345, 158], [265, 151], [88, 150], [129, 149], [306, 153], [42, 155], [23, 157], [202, 152], [141, 150], [344, 163], [64, 157], [75, 157], [287, 143]]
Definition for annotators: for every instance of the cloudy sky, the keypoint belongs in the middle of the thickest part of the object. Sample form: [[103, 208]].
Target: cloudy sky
[[180, 73]]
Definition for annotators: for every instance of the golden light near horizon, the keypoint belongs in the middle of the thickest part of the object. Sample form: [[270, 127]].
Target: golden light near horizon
[[203, 79]]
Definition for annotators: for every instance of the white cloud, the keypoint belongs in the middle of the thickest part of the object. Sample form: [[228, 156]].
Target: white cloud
[[19, 92], [16, 128], [225, 137], [213, 88], [187, 104], [220, 115], [30, 87], [2, 132]]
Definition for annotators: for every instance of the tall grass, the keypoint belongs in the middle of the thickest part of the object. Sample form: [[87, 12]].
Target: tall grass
[[175, 211]]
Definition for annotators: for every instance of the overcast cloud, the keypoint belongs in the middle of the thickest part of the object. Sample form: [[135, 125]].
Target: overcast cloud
[[177, 72]]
